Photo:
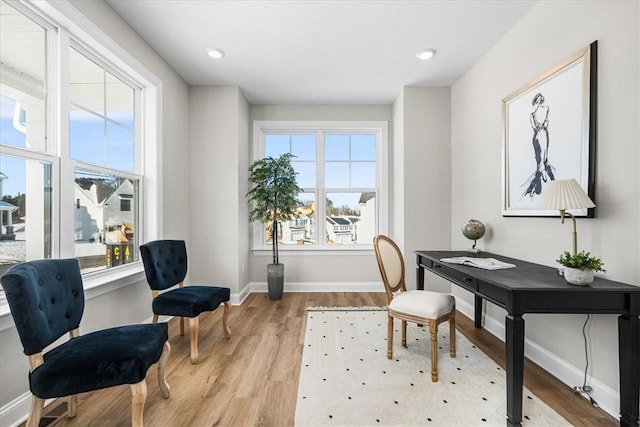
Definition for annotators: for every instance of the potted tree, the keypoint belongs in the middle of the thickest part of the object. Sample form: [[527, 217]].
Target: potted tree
[[580, 268], [274, 194]]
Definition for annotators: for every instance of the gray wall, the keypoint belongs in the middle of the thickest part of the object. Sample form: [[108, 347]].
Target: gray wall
[[218, 147], [551, 32], [422, 170]]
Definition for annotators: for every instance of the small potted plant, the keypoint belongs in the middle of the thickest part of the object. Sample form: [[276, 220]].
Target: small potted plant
[[580, 268], [274, 195]]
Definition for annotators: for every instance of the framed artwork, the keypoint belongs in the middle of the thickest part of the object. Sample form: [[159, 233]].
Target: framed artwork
[[549, 132]]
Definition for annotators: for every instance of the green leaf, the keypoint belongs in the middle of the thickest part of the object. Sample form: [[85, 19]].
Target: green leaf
[[274, 192], [582, 261]]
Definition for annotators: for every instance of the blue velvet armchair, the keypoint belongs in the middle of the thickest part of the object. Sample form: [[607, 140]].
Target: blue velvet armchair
[[46, 298], [165, 265]]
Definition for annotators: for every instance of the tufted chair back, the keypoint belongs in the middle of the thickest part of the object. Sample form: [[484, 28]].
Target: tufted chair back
[[165, 263], [46, 300]]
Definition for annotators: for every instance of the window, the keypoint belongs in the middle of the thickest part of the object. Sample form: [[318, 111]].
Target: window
[[26, 159], [342, 171], [72, 113], [102, 136]]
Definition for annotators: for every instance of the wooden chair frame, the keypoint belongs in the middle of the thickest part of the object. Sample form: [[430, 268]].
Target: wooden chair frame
[[138, 390], [391, 289], [194, 325]]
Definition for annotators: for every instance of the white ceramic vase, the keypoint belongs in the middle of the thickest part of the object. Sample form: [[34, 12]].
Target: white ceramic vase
[[578, 277]]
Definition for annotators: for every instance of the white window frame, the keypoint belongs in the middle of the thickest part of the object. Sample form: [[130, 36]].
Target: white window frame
[[68, 27], [380, 128]]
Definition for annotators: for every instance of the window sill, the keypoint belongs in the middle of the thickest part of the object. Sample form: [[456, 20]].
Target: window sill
[[95, 284], [315, 251]]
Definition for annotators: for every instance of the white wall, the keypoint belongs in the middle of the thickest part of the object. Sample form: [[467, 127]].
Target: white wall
[[551, 32], [218, 148], [422, 171]]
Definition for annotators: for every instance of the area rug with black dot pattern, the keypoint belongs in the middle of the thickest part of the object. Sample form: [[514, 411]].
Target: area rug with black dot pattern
[[347, 380]]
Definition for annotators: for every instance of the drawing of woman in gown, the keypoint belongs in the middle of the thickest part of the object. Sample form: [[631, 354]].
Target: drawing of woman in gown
[[539, 120]]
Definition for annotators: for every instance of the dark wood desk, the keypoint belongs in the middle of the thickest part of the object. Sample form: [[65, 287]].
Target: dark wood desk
[[534, 288]]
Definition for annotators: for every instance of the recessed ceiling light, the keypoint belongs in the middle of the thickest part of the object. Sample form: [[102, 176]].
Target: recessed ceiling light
[[215, 53], [426, 54]]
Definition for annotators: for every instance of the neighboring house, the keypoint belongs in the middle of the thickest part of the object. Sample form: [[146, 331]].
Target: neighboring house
[[341, 230], [118, 213], [109, 221], [6, 228], [88, 214], [366, 226]]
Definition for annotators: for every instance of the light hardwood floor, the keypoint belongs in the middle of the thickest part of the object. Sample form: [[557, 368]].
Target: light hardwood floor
[[252, 378]]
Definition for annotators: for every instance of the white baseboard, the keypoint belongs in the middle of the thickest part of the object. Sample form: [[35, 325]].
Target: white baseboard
[[16, 412], [607, 398], [261, 287]]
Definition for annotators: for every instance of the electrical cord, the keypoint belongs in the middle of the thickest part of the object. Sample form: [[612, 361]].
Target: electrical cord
[[586, 389]]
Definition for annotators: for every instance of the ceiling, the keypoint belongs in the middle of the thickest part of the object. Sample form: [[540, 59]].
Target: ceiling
[[321, 52]]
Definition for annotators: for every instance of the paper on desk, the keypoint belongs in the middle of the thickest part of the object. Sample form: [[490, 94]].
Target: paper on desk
[[484, 263]]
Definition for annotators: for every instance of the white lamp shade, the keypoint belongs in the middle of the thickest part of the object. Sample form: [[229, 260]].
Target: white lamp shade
[[564, 194]]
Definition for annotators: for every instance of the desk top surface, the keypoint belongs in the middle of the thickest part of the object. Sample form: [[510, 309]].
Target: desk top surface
[[525, 276]]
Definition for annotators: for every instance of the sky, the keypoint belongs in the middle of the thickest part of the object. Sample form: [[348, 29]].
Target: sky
[[87, 142], [350, 162]]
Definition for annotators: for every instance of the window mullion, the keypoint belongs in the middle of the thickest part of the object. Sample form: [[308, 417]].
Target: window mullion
[[321, 191], [65, 200]]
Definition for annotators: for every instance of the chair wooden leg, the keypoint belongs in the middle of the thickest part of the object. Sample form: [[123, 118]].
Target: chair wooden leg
[[390, 338], [72, 406], [182, 326], [35, 413], [165, 390], [193, 338], [433, 329], [452, 336], [155, 318], [138, 397], [404, 333], [225, 315]]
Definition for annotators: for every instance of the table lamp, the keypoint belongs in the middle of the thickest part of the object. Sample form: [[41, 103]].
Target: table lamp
[[563, 194]]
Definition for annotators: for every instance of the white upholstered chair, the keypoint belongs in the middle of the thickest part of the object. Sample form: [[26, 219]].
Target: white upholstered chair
[[421, 307]]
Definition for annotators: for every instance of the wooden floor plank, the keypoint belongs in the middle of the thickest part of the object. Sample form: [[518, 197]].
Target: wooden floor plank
[[251, 379]]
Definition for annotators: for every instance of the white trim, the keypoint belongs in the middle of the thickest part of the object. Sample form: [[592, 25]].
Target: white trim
[[237, 298], [607, 398], [16, 411], [297, 250], [261, 287]]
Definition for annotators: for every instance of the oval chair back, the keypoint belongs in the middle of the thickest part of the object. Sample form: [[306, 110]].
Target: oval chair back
[[390, 264]]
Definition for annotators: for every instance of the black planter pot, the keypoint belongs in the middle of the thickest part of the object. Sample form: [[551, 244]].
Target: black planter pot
[[275, 280]]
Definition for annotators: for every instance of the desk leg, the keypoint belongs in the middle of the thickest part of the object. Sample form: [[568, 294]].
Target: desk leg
[[478, 311], [515, 368], [419, 277], [629, 355]]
